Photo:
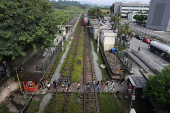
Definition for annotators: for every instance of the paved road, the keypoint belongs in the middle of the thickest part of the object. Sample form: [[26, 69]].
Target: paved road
[[144, 48]]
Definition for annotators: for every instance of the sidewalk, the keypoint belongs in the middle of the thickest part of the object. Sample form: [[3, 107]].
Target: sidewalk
[[56, 74]]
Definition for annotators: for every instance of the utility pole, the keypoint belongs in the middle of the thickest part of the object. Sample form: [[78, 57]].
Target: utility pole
[[18, 79], [68, 16], [98, 35]]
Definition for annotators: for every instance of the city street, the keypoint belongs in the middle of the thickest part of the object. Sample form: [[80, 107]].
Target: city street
[[145, 49]]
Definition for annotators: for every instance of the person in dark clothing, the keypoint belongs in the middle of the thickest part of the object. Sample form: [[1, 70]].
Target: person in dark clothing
[[88, 87], [54, 82], [122, 80], [139, 49]]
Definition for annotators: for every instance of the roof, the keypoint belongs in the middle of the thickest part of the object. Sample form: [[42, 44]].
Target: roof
[[73, 20], [94, 21], [137, 81], [105, 27], [31, 76]]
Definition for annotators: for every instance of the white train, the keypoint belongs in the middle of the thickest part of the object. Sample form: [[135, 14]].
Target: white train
[[160, 48]]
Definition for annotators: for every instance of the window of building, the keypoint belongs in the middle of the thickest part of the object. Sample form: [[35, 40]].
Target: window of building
[[30, 84], [145, 10], [25, 85], [134, 6], [134, 10], [125, 6], [146, 6], [125, 9]]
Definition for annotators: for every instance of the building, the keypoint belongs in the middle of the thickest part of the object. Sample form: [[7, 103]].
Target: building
[[30, 80], [107, 39], [159, 16], [124, 8]]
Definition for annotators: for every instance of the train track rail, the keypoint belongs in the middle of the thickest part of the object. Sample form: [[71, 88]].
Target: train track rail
[[67, 71], [89, 98]]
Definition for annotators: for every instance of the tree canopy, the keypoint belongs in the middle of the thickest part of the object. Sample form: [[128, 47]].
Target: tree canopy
[[112, 8], [25, 24], [95, 12], [158, 89]]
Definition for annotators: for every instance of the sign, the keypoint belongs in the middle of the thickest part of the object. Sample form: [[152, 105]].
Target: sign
[[119, 71]]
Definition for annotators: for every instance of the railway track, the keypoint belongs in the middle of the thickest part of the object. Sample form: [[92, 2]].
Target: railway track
[[88, 99], [90, 103], [67, 71]]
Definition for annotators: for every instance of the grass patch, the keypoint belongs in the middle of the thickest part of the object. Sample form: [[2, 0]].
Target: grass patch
[[59, 104], [4, 109], [34, 105], [109, 103], [74, 104]]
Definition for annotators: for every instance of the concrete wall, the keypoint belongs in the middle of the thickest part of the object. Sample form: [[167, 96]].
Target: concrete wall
[[159, 16], [5, 91], [117, 7], [109, 43], [95, 33]]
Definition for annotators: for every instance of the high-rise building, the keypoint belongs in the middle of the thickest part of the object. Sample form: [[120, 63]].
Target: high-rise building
[[159, 15], [124, 8]]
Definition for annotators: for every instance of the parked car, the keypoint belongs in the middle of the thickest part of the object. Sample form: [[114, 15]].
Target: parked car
[[139, 37], [146, 40], [133, 34]]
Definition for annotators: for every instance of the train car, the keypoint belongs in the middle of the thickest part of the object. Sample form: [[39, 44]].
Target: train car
[[160, 48], [85, 20]]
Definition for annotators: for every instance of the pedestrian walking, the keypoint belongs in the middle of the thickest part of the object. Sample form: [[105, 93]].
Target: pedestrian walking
[[68, 80], [88, 88], [97, 85], [41, 84], [48, 85], [122, 81], [54, 82], [70, 87], [45, 83], [130, 46], [93, 84], [22, 69], [56, 87], [78, 86], [106, 85], [138, 49], [112, 86]]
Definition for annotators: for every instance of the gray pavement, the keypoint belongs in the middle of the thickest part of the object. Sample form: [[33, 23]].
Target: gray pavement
[[56, 74], [145, 51], [161, 35], [57, 71], [44, 102], [96, 66]]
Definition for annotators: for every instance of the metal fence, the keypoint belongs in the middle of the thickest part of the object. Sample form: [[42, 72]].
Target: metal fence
[[124, 57], [44, 66]]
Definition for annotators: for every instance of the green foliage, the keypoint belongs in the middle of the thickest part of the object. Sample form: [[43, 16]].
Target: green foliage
[[112, 8], [59, 104], [4, 109], [74, 103], [34, 105], [158, 88], [48, 107], [109, 103], [25, 24], [95, 12], [116, 18]]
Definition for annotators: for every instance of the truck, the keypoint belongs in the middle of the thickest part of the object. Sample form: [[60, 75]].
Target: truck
[[160, 48]]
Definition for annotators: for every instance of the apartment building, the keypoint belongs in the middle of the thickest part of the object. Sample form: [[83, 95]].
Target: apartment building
[[159, 15], [124, 8]]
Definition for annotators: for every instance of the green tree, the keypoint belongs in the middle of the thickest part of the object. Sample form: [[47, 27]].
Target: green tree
[[25, 24], [116, 18], [112, 8], [127, 30], [158, 89], [96, 12]]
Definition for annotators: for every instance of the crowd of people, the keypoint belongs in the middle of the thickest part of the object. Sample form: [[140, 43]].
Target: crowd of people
[[68, 86]]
